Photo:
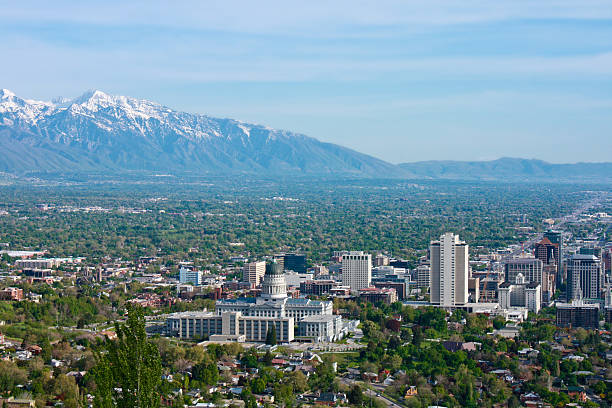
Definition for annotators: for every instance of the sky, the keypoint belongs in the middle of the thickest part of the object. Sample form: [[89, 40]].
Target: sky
[[404, 81]]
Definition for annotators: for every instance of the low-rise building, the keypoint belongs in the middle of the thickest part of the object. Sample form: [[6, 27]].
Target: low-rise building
[[374, 295], [11, 294], [578, 314]]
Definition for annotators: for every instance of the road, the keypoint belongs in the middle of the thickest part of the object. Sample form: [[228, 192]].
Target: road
[[376, 392], [559, 222]]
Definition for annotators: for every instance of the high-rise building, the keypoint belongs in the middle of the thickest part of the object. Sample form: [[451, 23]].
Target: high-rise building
[[530, 268], [295, 263], [254, 272], [584, 277], [449, 271], [190, 275], [356, 270], [423, 275], [554, 238]]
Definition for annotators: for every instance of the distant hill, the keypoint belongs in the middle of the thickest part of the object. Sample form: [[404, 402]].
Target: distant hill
[[509, 169], [97, 132]]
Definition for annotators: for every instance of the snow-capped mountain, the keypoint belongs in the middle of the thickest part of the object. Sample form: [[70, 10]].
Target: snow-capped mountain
[[98, 132]]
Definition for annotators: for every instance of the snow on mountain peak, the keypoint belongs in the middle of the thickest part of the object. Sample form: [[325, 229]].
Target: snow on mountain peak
[[5, 93]]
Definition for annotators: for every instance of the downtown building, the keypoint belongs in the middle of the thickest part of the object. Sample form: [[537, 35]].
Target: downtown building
[[533, 271], [356, 270], [253, 272], [520, 293], [550, 251], [190, 275], [578, 314], [250, 319], [449, 271], [584, 277]]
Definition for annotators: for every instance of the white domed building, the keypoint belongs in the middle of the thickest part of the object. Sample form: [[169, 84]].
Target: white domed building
[[250, 319]]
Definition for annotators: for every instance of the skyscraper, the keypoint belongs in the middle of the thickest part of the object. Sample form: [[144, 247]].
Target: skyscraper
[[556, 238], [356, 270], [254, 272], [449, 271], [584, 277]]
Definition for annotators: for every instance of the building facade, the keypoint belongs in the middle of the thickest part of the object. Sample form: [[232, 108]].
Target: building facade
[[356, 270], [423, 275], [190, 275], [253, 272], [295, 263], [449, 271], [584, 277], [530, 268], [578, 314], [253, 317]]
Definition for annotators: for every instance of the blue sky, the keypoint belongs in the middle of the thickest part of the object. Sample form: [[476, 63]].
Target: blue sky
[[401, 80]]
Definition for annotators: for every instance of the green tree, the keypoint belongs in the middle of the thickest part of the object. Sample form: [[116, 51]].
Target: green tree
[[271, 335], [355, 395], [128, 374], [206, 372]]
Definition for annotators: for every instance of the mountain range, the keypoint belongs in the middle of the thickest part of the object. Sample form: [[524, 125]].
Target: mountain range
[[101, 133]]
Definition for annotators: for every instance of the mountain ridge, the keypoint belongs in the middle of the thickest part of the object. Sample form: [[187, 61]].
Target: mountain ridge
[[99, 133], [510, 169]]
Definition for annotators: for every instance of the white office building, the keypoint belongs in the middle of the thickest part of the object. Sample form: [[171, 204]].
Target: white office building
[[189, 275], [520, 293], [449, 271], [356, 270]]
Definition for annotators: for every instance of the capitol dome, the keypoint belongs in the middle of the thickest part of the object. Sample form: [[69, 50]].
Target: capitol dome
[[274, 286]]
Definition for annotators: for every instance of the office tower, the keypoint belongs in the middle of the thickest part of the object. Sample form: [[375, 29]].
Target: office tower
[[606, 257], [449, 271], [556, 237], [584, 277], [550, 251], [254, 272], [189, 275], [530, 268], [295, 263], [356, 270], [547, 252], [595, 251], [423, 273]]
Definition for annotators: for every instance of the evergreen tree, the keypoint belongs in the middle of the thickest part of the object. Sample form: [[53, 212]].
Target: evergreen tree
[[271, 336], [128, 373]]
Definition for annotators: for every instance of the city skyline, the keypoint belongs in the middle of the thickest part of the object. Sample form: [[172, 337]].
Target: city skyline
[[401, 82]]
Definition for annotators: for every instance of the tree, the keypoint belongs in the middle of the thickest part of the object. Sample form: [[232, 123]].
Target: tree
[[258, 386], [206, 372], [355, 395], [417, 336], [128, 374], [268, 357], [271, 336]]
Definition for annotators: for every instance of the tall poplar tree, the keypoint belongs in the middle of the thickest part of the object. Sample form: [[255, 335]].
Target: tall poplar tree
[[128, 371]]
